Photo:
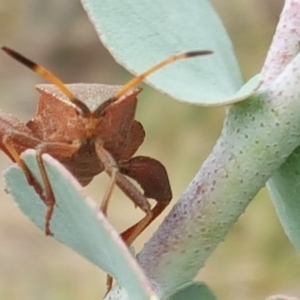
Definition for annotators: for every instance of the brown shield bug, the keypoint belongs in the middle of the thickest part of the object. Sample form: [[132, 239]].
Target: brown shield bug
[[90, 128]]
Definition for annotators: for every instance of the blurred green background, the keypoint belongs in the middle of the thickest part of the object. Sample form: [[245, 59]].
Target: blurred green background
[[254, 261]]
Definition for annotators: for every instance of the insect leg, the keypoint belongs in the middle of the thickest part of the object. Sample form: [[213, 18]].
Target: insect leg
[[122, 182], [16, 142], [130, 190], [9, 141], [111, 169], [108, 192], [55, 149], [131, 233], [153, 178]]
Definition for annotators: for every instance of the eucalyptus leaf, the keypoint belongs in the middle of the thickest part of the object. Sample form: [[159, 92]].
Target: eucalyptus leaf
[[140, 34], [77, 223], [284, 187], [194, 291]]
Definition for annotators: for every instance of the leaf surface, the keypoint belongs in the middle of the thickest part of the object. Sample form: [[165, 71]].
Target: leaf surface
[[140, 34], [77, 223]]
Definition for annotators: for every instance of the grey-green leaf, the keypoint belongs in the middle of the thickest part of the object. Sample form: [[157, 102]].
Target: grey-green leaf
[[194, 291], [78, 224], [284, 187], [140, 34]]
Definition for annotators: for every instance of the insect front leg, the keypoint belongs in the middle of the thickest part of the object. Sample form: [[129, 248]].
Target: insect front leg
[[121, 181], [12, 143], [111, 168], [15, 142], [54, 149], [129, 189]]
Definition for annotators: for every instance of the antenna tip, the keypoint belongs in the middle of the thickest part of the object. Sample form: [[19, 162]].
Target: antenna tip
[[6, 49], [198, 53], [20, 58]]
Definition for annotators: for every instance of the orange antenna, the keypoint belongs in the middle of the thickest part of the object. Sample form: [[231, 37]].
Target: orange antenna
[[83, 109], [139, 78]]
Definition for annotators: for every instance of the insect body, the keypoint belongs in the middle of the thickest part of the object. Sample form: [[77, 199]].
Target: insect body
[[90, 128]]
